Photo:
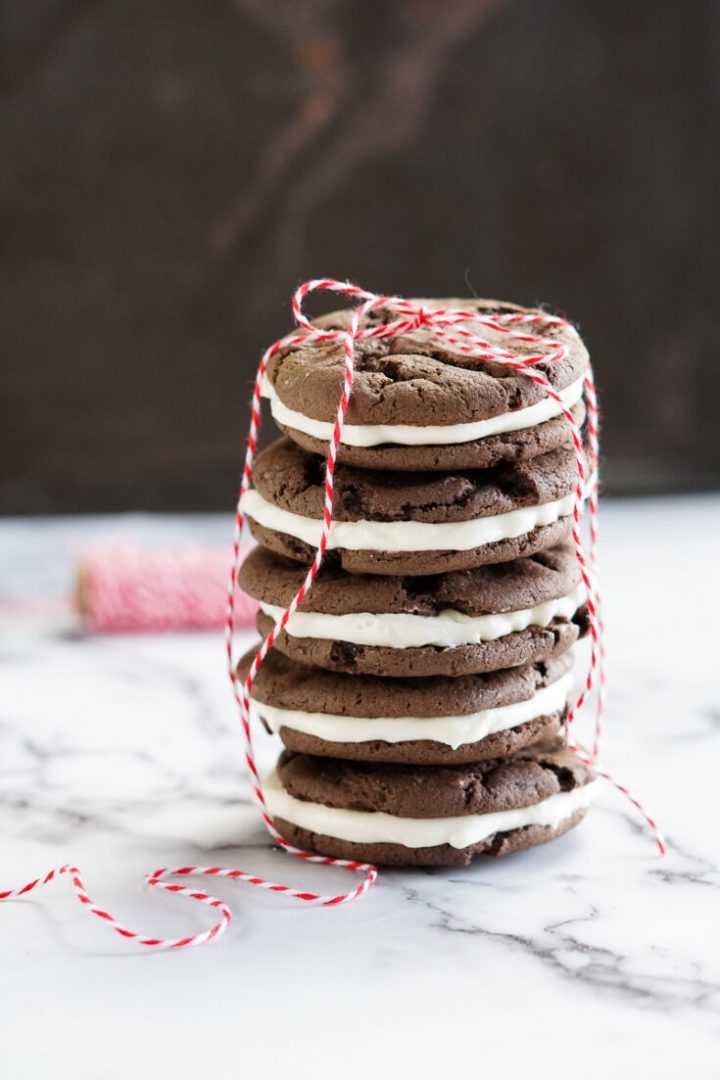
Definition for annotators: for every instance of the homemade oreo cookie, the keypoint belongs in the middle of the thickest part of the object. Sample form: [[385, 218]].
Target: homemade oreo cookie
[[422, 686], [433, 816], [420, 721], [411, 523], [419, 403], [458, 623]]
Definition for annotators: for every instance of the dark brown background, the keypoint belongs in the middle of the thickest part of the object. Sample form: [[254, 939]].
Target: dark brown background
[[171, 170]]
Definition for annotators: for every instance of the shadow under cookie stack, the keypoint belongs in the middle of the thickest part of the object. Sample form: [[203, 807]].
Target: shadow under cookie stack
[[421, 688]]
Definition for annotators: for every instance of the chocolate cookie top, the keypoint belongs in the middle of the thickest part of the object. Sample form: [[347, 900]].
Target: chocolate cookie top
[[497, 588], [418, 378], [293, 479], [285, 684], [528, 777]]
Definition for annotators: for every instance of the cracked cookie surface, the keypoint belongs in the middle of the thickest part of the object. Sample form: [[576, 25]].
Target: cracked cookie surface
[[419, 380]]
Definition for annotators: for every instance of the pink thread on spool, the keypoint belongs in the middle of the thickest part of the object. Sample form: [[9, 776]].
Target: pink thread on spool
[[125, 588]]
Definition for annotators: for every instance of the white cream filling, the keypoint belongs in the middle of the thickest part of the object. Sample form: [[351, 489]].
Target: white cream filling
[[447, 629], [364, 827], [429, 435], [453, 731], [406, 535]]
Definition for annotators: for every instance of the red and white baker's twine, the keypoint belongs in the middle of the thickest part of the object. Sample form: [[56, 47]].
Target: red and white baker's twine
[[130, 589], [450, 325]]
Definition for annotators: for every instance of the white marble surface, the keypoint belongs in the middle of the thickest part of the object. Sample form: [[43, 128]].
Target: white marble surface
[[122, 754]]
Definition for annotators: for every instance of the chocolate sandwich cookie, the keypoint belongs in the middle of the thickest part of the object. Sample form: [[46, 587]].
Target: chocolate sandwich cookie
[[438, 816], [459, 623], [426, 721], [418, 402], [410, 523]]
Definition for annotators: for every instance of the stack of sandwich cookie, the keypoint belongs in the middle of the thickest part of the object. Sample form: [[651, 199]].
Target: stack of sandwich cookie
[[421, 687]]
